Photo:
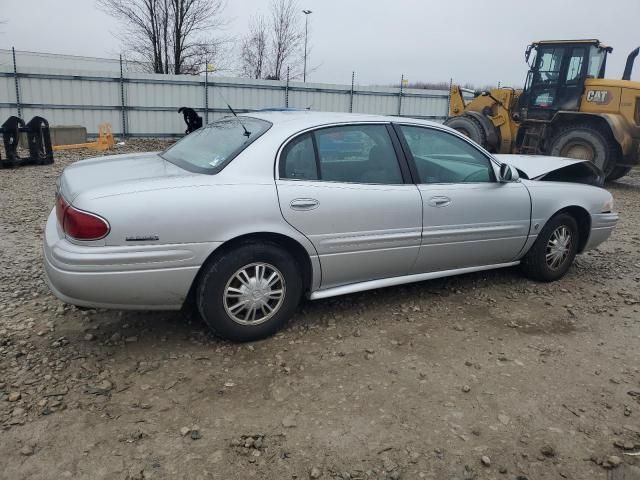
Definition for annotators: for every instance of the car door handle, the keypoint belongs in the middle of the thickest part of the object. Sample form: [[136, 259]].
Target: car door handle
[[439, 201], [304, 204]]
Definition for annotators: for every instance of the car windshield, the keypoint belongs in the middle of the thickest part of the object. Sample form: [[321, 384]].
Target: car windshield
[[211, 148]]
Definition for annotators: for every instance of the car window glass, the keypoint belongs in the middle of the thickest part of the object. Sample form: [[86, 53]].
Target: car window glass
[[210, 148], [357, 154], [298, 160], [441, 157]]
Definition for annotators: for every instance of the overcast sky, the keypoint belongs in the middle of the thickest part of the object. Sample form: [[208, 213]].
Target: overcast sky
[[476, 41]]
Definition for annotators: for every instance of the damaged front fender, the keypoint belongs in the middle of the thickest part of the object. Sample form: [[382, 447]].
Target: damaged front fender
[[555, 169]]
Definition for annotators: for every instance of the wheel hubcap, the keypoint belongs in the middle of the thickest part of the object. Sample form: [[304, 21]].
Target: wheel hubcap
[[558, 247], [579, 151], [254, 294]]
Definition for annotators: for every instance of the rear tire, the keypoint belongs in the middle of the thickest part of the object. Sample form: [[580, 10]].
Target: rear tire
[[250, 292], [554, 250], [585, 142], [618, 172], [469, 127]]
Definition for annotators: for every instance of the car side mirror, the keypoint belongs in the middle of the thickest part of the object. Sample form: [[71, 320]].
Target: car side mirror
[[508, 173]]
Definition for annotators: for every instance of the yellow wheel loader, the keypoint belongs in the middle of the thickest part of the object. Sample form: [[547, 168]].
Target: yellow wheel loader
[[566, 109]]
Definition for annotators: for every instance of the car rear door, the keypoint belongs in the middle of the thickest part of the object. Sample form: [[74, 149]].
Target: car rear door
[[470, 219], [345, 188]]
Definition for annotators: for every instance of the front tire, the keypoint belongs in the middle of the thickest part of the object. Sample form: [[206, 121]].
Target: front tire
[[618, 172], [554, 250], [586, 142], [249, 292]]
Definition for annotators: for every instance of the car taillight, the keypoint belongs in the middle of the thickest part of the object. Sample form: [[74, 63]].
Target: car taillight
[[79, 224], [61, 207]]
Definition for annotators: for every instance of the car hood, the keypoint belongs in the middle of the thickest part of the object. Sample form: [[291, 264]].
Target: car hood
[[556, 169], [121, 172]]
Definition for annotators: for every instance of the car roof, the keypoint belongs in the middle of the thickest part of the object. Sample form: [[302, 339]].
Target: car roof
[[302, 119]]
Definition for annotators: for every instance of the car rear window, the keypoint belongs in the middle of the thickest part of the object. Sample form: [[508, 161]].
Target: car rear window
[[210, 148]]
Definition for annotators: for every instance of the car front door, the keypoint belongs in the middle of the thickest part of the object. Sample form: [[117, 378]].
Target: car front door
[[345, 188], [470, 219]]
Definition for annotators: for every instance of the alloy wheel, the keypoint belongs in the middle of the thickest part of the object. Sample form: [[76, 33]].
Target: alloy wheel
[[558, 247], [254, 293]]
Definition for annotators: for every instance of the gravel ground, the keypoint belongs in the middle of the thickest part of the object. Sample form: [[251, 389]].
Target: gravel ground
[[484, 376]]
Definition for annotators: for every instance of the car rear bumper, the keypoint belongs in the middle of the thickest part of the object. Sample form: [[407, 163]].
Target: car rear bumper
[[602, 224], [139, 277]]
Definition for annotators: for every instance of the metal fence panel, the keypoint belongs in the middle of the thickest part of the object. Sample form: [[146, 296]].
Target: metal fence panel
[[381, 103], [69, 90], [148, 123], [320, 96], [6, 112], [63, 91], [90, 119]]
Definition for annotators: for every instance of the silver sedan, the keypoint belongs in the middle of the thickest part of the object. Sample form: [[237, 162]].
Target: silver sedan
[[245, 216]]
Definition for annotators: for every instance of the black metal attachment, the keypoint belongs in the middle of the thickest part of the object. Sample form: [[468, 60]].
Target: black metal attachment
[[628, 68], [191, 118], [38, 139]]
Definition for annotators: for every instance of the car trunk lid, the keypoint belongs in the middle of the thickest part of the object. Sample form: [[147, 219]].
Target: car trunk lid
[[116, 170]]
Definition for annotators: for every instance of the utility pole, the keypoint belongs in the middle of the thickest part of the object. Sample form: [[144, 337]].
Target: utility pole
[[306, 34]]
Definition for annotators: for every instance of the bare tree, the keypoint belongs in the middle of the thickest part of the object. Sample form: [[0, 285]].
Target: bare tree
[[253, 50], [173, 36], [286, 37]]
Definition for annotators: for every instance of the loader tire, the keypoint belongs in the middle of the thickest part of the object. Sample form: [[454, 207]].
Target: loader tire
[[585, 142], [618, 172], [470, 127]]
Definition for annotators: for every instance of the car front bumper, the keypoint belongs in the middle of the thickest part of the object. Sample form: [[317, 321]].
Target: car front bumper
[[602, 225], [136, 277]]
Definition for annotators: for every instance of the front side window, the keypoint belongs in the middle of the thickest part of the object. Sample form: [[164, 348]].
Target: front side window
[[546, 76], [349, 153], [209, 149], [549, 63], [441, 157]]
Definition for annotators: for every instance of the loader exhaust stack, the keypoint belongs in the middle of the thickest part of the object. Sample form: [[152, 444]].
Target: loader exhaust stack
[[628, 68]]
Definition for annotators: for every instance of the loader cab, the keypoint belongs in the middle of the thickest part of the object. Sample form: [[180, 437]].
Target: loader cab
[[558, 70]]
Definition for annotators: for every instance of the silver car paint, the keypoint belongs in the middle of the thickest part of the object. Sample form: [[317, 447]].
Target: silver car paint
[[547, 201], [137, 169], [193, 214], [381, 240], [465, 232]]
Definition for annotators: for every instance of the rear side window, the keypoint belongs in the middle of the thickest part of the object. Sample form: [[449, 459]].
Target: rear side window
[[299, 159], [350, 154]]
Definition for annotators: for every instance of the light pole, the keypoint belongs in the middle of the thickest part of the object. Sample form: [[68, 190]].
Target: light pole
[[306, 34]]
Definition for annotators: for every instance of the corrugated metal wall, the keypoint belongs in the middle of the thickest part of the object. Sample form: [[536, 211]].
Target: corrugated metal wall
[[69, 90]]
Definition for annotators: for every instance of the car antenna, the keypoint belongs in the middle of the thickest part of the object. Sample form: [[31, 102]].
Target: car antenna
[[247, 133]]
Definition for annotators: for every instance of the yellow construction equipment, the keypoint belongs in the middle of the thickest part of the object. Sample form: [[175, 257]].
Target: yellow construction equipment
[[104, 141], [567, 108]]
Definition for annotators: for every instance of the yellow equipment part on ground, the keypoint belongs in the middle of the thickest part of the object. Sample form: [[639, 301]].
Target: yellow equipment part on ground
[[104, 142]]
